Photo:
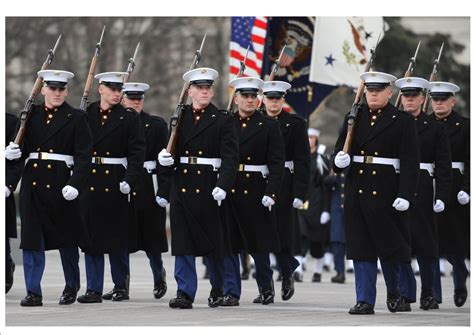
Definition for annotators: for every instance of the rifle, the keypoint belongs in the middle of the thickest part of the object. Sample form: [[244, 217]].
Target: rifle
[[26, 111], [176, 118], [131, 64], [433, 77], [275, 68], [355, 106], [90, 76], [241, 73], [408, 73], [276, 65]]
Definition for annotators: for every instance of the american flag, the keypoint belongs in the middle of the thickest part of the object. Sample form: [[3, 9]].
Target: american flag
[[247, 30]]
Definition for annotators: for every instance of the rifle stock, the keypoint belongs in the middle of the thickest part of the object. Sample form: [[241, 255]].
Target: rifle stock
[[26, 111], [176, 118], [433, 77], [131, 64], [240, 74], [90, 76], [408, 73], [355, 106]]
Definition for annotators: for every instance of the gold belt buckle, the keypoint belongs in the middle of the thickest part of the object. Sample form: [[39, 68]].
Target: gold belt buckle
[[368, 159], [241, 167], [43, 155], [192, 160], [98, 160]]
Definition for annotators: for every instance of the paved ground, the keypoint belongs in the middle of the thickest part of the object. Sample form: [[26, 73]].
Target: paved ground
[[314, 304]]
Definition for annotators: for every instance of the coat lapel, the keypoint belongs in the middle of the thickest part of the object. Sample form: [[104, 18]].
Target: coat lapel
[[422, 122], [254, 126], [115, 118], [208, 117], [61, 117], [385, 119]]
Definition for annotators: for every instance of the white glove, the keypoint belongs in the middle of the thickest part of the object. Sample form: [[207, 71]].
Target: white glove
[[401, 204], [219, 194], [7, 192], [342, 160], [165, 159], [12, 151], [438, 206], [70, 193], [162, 202], [268, 202], [297, 203], [463, 197], [124, 187], [325, 217]]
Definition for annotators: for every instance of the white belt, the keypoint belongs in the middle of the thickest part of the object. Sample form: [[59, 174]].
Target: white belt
[[215, 162], [459, 166], [290, 166], [149, 166], [263, 169], [428, 167], [69, 160], [113, 161], [395, 162]]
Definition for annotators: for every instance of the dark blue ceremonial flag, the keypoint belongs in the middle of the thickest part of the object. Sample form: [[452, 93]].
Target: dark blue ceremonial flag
[[297, 33]]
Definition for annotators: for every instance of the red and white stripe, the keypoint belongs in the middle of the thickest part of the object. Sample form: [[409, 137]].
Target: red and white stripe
[[254, 58]]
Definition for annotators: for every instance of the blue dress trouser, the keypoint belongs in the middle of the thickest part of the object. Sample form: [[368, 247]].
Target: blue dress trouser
[[391, 274], [119, 268], [156, 264], [34, 262], [287, 264], [186, 277], [407, 282], [263, 271], [339, 251], [365, 281], [232, 281]]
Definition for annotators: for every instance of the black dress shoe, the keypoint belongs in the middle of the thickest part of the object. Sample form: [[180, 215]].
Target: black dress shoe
[[9, 278], [298, 276], [215, 297], [362, 308], [287, 288], [32, 300], [460, 296], [404, 305], [428, 302], [258, 299], [91, 297], [69, 296], [108, 295], [120, 294], [316, 278], [339, 278], [181, 301], [160, 289], [268, 295], [230, 301], [393, 301]]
